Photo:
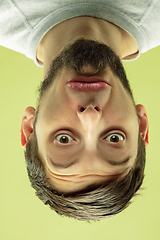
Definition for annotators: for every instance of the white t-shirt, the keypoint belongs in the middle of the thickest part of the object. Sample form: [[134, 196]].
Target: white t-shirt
[[23, 23]]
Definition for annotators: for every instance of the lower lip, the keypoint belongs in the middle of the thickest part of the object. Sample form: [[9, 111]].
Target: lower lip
[[87, 86]]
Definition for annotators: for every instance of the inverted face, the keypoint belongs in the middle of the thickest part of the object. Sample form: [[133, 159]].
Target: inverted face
[[86, 137]]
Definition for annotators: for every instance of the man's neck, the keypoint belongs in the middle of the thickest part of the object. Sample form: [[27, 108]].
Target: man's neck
[[84, 27]]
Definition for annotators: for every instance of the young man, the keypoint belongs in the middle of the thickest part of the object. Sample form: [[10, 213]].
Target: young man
[[85, 142]]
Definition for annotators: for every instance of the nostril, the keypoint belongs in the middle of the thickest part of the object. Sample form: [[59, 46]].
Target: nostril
[[82, 109], [97, 108]]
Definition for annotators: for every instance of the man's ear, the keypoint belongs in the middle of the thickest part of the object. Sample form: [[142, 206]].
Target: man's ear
[[27, 125], [143, 122]]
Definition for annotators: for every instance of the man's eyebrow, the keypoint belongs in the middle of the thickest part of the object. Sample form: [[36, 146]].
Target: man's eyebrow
[[67, 165], [119, 163], [62, 165]]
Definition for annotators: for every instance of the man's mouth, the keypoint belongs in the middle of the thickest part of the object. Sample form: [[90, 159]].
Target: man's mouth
[[83, 83]]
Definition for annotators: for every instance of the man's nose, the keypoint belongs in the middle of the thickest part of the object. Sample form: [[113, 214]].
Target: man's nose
[[89, 116]]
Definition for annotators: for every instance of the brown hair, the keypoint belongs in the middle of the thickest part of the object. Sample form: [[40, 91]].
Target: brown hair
[[90, 204]]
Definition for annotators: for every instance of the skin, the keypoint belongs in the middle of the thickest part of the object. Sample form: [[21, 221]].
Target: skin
[[96, 29], [90, 157]]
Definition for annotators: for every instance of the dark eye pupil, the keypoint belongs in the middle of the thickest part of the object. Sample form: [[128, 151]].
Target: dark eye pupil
[[64, 140], [114, 139]]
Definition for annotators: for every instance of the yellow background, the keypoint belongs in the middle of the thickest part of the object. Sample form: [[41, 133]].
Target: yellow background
[[22, 215]]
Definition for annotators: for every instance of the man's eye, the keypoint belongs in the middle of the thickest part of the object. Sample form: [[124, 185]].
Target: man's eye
[[64, 138], [115, 138]]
